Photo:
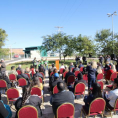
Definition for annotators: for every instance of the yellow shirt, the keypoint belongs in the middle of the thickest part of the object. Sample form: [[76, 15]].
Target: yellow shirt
[[41, 86]]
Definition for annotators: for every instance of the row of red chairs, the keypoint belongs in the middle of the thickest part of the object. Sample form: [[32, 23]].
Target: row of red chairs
[[67, 110]]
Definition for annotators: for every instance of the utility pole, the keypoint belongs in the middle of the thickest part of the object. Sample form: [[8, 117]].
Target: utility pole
[[59, 28]]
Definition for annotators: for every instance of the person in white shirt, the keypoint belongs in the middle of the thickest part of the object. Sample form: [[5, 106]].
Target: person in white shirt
[[62, 66], [111, 96]]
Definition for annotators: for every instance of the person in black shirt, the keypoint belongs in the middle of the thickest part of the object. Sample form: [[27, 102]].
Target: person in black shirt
[[62, 97]]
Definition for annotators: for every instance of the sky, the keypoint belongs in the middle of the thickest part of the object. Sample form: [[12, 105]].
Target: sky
[[26, 21]]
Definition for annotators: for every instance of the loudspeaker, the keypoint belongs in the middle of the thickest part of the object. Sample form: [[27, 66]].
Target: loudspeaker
[[113, 56]]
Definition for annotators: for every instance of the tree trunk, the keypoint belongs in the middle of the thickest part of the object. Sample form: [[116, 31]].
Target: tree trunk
[[64, 59], [60, 54]]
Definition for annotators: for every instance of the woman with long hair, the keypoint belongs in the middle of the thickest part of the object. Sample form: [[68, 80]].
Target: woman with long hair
[[91, 68], [96, 93], [28, 99], [109, 72], [36, 83]]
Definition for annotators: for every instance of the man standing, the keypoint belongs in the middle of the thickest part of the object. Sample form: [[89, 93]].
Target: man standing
[[61, 97], [2, 66], [35, 63]]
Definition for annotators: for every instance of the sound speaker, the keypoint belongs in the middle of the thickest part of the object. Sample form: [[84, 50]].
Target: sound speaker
[[113, 56]]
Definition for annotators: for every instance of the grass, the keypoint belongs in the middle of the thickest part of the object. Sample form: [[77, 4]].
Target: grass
[[28, 64]]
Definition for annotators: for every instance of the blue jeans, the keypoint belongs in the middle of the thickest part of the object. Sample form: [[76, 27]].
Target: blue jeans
[[91, 81]]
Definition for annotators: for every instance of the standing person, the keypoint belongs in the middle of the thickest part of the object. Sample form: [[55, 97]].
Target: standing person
[[101, 59], [84, 60], [76, 59], [35, 63], [42, 61], [61, 97], [91, 74], [2, 66], [46, 64]]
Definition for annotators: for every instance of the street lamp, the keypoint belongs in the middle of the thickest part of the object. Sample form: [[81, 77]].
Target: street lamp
[[111, 15]]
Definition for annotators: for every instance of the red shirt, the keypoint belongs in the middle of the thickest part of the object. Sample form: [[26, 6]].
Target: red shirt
[[108, 74]]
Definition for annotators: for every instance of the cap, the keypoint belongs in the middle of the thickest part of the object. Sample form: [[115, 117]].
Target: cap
[[56, 75]]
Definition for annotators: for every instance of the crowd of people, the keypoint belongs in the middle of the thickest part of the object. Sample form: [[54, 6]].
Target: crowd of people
[[65, 92]]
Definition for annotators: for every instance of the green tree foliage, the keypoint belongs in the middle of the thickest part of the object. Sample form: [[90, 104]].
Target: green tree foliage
[[105, 43], [57, 43], [3, 37], [83, 45]]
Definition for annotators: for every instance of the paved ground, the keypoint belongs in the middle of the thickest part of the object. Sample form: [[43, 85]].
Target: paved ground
[[47, 108]]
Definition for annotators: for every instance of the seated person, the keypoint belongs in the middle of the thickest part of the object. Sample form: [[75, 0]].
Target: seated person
[[76, 68], [4, 113], [56, 80], [80, 65], [28, 99], [27, 70], [4, 77], [98, 70], [51, 78], [19, 68], [38, 74], [51, 69], [111, 96], [13, 71], [68, 74], [96, 93], [42, 69], [32, 69], [23, 75], [36, 83], [78, 80], [109, 72], [62, 97], [71, 65], [62, 66]]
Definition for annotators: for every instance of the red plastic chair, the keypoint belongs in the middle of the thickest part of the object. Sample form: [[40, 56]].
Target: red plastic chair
[[12, 77], [96, 107], [72, 69], [79, 89], [55, 90], [12, 94], [85, 77], [81, 69], [113, 76], [101, 84], [3, 83], [66, 110], [115, 107], [28, 75], [42, 74], [64, 74], [61, 70], [40, 79], [19, 72], [76, 73], [70, 79], [51, 73], [37, 91], [22, 82], [100, 76], [28, 112]]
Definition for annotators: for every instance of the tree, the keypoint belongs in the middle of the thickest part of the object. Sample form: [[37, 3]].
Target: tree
[[3, 37], [104, 41], [83, 45], [56, 43]]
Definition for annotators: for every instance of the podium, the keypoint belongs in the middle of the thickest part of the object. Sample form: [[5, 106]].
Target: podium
[[57, 64]]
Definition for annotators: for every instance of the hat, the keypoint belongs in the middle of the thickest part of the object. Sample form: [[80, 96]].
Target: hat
[[56, 75], [2, 59]]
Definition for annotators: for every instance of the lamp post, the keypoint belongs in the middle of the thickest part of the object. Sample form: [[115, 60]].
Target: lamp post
[[111, 15]]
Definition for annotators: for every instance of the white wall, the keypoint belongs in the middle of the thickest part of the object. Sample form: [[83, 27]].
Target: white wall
[[35, 53]]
